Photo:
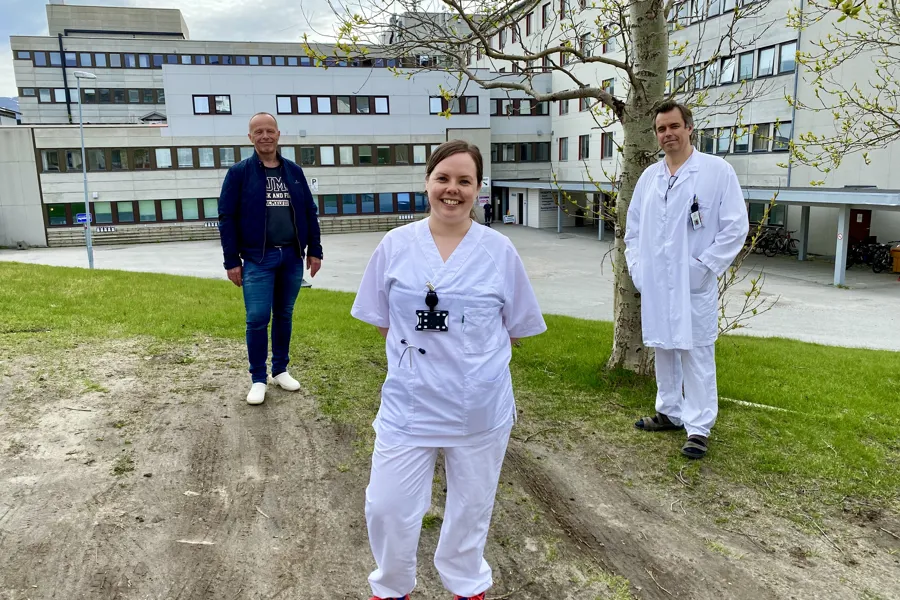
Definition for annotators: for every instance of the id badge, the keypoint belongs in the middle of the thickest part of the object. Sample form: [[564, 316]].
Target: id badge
[[696, 221]]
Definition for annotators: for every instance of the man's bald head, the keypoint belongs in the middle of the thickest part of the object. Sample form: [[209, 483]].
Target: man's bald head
[[261, 116], [264, 134]]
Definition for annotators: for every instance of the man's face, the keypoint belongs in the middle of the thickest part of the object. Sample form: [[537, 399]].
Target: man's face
[[671, 132], [264, 134]]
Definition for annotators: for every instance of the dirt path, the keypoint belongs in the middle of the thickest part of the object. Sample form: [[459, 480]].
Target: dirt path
[[136, 471]]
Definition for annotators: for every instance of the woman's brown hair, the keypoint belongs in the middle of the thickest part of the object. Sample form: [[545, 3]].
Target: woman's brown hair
[[448, 149]]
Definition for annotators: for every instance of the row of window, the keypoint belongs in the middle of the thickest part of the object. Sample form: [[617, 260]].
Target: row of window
[[765, 62], [584, 147], [222, 157], [499, 41], [519, 107], [134, 60], [521, 152], [96, 96], [327, 105], [765, 137], [126, 212], [463, 105], [689, 12]]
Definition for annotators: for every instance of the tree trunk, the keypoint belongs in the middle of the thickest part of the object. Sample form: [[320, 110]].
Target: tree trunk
[[640, 148]]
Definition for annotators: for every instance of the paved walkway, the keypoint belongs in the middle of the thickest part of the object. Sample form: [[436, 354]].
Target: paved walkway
[[569, 279]]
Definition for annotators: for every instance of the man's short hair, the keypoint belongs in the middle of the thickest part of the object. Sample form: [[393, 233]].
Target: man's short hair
[[263, 113], [669, 106]]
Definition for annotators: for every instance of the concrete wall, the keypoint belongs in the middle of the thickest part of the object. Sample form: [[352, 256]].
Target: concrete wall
[[7, 121], [98, 18], [823, 224], [21, 216]]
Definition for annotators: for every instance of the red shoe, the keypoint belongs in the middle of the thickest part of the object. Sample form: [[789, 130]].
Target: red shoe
[[406, 597], [478, 597]]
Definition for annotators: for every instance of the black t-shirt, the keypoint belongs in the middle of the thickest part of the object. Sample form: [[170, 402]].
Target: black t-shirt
[[279, 218]]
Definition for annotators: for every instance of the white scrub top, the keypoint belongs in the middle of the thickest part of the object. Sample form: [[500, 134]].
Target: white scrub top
[[460, 390], [674, 266]]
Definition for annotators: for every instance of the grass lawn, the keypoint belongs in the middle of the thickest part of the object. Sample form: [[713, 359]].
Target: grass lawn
[[837, 437]]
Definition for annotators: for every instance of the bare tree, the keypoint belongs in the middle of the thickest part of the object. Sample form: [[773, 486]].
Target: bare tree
[[854, 71], [585, 44]]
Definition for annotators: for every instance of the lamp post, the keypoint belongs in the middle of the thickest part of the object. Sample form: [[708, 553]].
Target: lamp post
[[79, 75]]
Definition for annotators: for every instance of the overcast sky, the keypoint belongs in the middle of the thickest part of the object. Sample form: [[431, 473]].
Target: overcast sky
[[238, 20]]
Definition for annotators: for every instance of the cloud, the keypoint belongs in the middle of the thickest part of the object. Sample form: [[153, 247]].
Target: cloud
[[207, 20]]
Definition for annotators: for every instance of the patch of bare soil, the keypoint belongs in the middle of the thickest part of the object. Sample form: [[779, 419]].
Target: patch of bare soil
[[133, 471]]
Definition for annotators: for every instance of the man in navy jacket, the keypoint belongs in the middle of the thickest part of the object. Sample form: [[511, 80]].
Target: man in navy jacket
[[268, 225]]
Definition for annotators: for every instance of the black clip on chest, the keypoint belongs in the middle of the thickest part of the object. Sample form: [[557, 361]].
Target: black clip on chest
[[431, 319]]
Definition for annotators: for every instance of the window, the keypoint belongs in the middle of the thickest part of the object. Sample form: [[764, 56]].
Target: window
[[761, 137], [385, 203], [50, 160], [471, 105], [288, 153], [279, 61], [163, 158], [115, 61], [55, 59], [545, 16], [724, 140], [207, 157], [40, 59], [134, 96], [100, 60], [584, 148], [742, 140], [330, 204], [766, 62], [435, 104], [201, 105], [525, 107], [782, 138], [367, 202], [254, 61], [383, 154], [23, 55], [160, 96], [144, 61], [326, 153], [185, 59], [141, 158], [606, 145], [563, 149], [118, 96], [714, 8], [728, 5], [525, 153], [563, 107], [365, 155], [304, 105], [130, 61], [307, 155], [147, 210], [28, 92], [104, 96], [226, 157], [707, 139], [223, 105], [56, 214], [348, 204], [157, 61], [787, 58], [86, 59], [362, 105], [528, 24], [172, 59], [404, 202], [267, 61], [73, 160], [169, 210], [96, 159], [346, 155], [509, 153], [292, 61], [542, 151], [421, 202], [711, 74], [381, 105], [246, 152], [323, 105], [125, 212], [419, 155], [59, 95], [611, 44], [284, 105], [44, 95], [609, 85], [401, 155], [102, 212], [745, 66], [343, 105], [190, 210], [584, 104], [211, 208], [71, 60], [118, 160], [727, 75]]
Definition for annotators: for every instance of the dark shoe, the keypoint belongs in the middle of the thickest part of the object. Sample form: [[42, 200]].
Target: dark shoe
[[658, 423], [696, 446], [478, 597], [406, 597]]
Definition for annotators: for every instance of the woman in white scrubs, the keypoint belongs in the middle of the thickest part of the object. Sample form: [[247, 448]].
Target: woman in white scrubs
[[449, 296]]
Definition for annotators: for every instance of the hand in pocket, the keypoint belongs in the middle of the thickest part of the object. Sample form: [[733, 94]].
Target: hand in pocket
[[699, 275]]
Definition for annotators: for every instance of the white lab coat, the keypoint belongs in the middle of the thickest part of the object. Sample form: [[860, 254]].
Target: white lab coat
[[459, 390], [673, 266]]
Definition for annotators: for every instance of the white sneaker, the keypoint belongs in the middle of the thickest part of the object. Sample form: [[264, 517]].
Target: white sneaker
[[286, 382], [257, 394]]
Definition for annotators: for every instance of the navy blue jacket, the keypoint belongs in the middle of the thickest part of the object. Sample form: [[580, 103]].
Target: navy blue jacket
[[242, 211]]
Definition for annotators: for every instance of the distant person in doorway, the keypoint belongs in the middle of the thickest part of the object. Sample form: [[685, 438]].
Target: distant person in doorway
[[268, 225], [488, 214], [686, 223]]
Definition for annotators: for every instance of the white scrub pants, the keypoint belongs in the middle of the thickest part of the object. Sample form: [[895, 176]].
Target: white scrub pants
[[399, 495], [695, 369]]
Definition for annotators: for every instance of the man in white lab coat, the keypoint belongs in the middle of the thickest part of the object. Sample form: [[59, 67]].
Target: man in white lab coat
[[686, 223]]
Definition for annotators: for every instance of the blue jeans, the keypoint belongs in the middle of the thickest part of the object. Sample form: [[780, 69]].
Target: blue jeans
[[270, 290]]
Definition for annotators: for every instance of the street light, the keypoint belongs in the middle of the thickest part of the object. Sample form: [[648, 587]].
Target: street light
[[79, 75]]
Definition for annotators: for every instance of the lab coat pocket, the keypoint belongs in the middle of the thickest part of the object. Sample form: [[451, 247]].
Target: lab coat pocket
[[489, 404], [700, 276], [480, 330], [397, 395]]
